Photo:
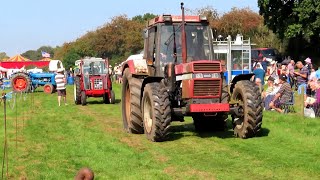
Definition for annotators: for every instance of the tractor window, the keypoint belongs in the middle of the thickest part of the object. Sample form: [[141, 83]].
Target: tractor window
[[95, 68], [197, 38], [151, 44]]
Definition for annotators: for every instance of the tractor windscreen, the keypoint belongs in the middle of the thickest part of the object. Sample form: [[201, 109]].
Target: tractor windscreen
[[95, 67], [197, 38]]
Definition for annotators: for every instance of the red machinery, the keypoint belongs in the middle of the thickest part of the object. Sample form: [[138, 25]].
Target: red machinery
[[178, 77], [92, 80]]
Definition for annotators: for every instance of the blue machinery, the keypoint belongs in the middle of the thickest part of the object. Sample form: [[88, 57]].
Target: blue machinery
[[236, 54]]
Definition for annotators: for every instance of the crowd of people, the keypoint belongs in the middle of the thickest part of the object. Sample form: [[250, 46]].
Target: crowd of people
[[284, 79], [115, 73]]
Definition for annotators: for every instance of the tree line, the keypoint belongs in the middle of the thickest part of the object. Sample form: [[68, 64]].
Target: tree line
[[293, 27]]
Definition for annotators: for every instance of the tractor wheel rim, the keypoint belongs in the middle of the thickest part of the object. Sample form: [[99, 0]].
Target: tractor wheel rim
[[47, 89], [20, 84], [127, 103], [239, 120], [147, 114]]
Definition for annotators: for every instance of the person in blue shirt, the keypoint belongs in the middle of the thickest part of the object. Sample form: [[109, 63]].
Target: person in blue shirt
[[317, 72], [264, 64], [259, 73]]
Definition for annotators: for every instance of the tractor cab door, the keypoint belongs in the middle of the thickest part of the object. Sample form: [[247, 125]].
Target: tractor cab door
[[86, 77]]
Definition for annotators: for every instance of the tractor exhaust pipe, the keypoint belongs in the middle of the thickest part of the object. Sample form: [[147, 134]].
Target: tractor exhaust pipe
[[183, 37]]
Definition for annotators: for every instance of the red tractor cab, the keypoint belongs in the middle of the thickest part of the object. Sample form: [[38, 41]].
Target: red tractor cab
[[92, 80]]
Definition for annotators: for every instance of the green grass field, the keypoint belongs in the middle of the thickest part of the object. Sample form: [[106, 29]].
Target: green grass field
[[55, 142]]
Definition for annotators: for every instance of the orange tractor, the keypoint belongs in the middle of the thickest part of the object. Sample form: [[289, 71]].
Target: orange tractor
[[178, 77]]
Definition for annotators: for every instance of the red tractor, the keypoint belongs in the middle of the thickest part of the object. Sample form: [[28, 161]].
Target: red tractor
[[178, 77], [92, 80]]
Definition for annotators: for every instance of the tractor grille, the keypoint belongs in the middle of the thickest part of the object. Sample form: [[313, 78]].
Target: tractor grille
[[206, 88], [206, 66], [97, 84]]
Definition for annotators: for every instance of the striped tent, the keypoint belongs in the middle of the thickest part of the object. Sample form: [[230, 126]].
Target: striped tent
[[45, 59], [18, 58]]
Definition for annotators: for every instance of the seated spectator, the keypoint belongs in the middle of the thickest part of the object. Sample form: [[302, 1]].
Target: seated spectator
[[258, 83], [270, 87], [269, 97], [312, 101], [282, 96]]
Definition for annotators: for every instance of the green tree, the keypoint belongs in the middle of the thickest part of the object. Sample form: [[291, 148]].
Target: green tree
[[31, 54], [3, 55], [291, 18]]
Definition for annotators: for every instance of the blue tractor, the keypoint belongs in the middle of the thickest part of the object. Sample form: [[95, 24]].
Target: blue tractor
[[28, 82]]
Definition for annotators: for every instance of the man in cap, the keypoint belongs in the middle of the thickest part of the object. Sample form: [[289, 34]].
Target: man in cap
[[283, 95], [61, 85], [302, 77]]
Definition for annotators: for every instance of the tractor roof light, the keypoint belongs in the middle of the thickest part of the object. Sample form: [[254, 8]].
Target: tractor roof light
[[167, 18], [203, 18]]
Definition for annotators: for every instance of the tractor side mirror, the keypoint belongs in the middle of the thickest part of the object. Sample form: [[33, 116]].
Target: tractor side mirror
[[145, 33]]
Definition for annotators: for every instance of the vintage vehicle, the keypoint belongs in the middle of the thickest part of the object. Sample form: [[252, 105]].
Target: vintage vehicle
[[178, 77], [92, 80], [28, 82]]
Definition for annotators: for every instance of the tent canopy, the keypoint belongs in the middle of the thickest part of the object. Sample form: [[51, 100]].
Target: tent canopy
[[45, 59], [18, 58]]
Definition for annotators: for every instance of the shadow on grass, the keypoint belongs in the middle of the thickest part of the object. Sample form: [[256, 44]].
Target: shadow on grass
[[100, 101], [178, 131]]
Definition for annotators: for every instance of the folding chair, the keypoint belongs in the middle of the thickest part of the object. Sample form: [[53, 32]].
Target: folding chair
[[289, 106]]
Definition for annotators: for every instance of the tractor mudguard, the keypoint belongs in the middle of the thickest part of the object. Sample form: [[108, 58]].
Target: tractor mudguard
[[137, 67], [146, 81], [239, 77]]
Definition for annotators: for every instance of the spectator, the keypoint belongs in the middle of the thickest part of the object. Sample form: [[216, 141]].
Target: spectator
[[273, 70], [264, 64], [258, 83], [270, 87], [270, 95], [308, 65], [259, 73], [313, 75], [61, 85], [290, 68], [283, 95], [310, 101], [302, 77]]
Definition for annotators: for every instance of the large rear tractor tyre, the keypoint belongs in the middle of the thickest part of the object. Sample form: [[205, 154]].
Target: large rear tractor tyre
[[20, 82], [77, 90], [131, 110], [156, 111], [83, 98], [48, 88], [248, 96]]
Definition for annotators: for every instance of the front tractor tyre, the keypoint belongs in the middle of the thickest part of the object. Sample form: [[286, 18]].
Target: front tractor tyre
[[156, 112], [131, 110], [109, 98], [112, 98], [248, 97], [48, 88], [77, 90], [20, 82], [83, 98]]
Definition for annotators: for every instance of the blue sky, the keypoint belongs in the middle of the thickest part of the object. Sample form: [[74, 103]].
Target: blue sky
[[29, 24]]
